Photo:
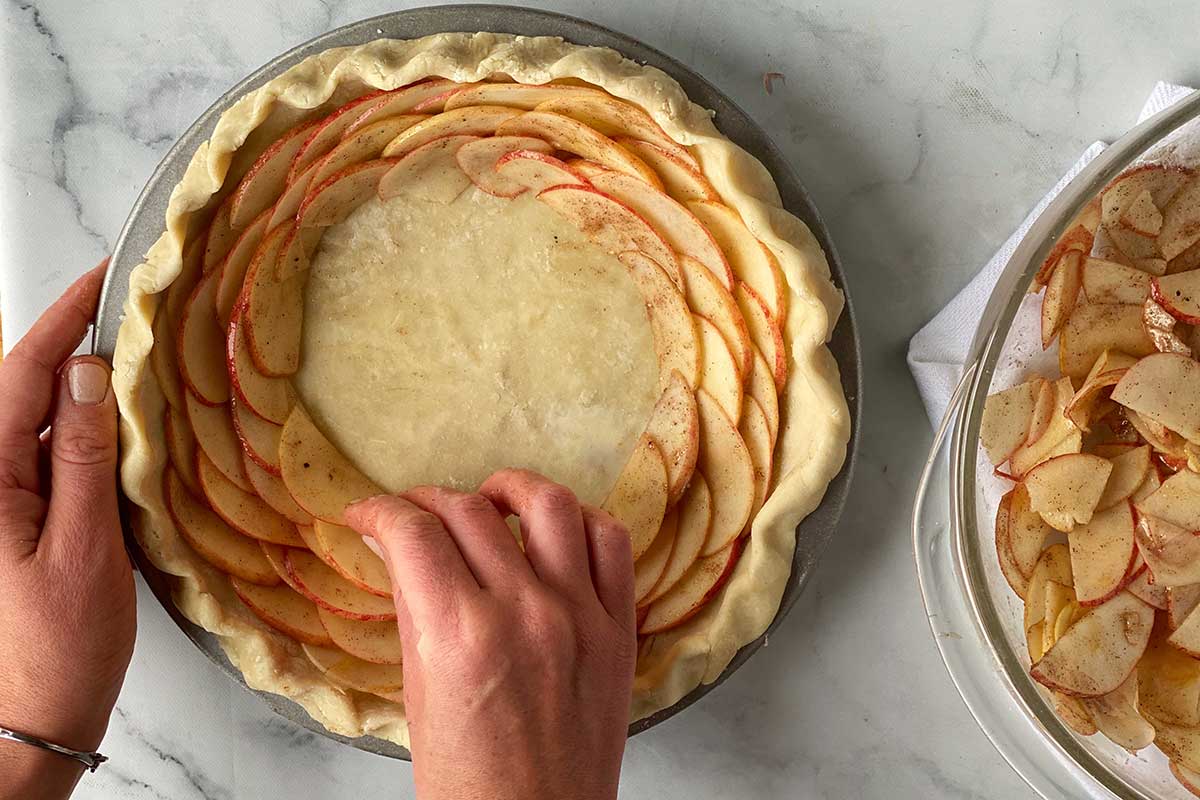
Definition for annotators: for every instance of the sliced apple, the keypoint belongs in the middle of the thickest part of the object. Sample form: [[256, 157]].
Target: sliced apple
[[467, 121], [1169, 683], [726, 463], [676, 338], [1073, 713], [267, 176], [1162, 183], [1188, 779], [321, 479], [1152, 594], [429, 172], [611, 224], [1045, 407], [649, 568], [1066, 489], [377, 642], [289, 202], [1095, 327], [752, 261], [681, 179], [1181, 601], [1178, 743], [588, 169], [708, 296], [1186, 636], [181, 448], [233, 269], [363, 144], [1116, 716], [273, 315], [674, 426], [1077, 239], [1141, 216], [214, 432], [1102, 553], [1177, 501], [403, 101], [212, 539], [1179, 294], [1181, 220], [639, 497], [1006, 419], [695, 518], [760, 385], [1089, 403], [564, 133], [1020, 534], [259, 438], [270, 398], [616, 118], [515, 95], [219, 238], [329, 130], [1128, 473], [705, 578], [1171, 553], [275, 494], [343, 549], [329, 590], [764, 331], [1053, 566], [1160, 326], [330, 202], [164, 357], [1059, 437], [1111, 282], [719, 373], [1098, 652], [1164, 387], [283, 609], [757, 436], [244, 512], [478, 160], [200, 344], [343, 669], [537, 171], [1062, 292]]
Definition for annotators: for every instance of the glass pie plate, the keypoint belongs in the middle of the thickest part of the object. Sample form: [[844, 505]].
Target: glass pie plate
[[974, 615]]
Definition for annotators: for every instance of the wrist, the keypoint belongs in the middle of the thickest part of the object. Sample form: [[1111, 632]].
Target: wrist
[[32, 773], [78, 725]]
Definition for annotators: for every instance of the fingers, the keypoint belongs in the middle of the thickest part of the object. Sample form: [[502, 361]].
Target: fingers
[[551, 524], [612, 565], [27, 377], [428, 572], [83, 460], [483, 538]]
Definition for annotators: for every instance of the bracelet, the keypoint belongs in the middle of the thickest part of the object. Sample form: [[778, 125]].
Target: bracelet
[[89, 760]]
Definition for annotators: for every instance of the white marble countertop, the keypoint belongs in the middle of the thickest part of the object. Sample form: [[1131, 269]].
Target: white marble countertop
[[924, 137]]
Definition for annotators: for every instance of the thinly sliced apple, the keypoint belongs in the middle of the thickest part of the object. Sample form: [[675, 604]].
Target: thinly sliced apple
[[1141, 216], [1179, 294], [478, 161], [343, 669], [1186, 636], [1095, 327], [1020, 534], [1089, 403], [1177, 501], [1171, 553], [1006, 419], [1168, 445], [1128, 473], [289, 202], [429, 172], [681, 179], [1045, 407], [719, 373], [726, 463], [639, 497], [1164, 387], [1116, 716], [1136, 247], [214, 432], [285, 610], [1110, 282], [377, 642], [259, 438], [537, 171], [1077, 239], [1034, 641], [213, 540], [200, 344], [164, 357], [329, 590], [692, 592], [588, 169], [1099, 651], [403, 101], [674, 425], [1169, 683], [616, 118], [1181, 601], [757, 436], [1059, 437], [676, 338], [467, 121], [219, 238], [679, 226], [515, 95], [695, 518], [760, 385], [611, 224], [244, 512], [752, 261], [277, 557], [1162, 182], [321, 479], [1066, 489], [1053, 566], [267, 176], [1181, 220], [1188, 778], [1102, 553], [275, 494], [273, 315], [1017, 580], [571, 135], [235, 266], [331, 202], [764, 332], [1062, 292], [181, 448], [270, 398], [1161, 327], [708, 296], [343, 549], [1073, 713], [1152, 594], [649, 568], [329, 130]]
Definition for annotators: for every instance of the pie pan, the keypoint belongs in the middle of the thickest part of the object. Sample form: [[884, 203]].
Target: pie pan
[[146, 221], [974, 615]]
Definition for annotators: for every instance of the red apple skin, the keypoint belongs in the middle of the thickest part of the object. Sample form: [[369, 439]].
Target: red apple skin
[[341, 612], [734, 555], [1164, 300]]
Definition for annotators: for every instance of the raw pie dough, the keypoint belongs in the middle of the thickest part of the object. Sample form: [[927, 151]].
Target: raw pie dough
[[576, 424]]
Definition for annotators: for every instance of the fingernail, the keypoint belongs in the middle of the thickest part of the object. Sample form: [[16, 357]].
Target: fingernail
[[373, 545], [88, 383]]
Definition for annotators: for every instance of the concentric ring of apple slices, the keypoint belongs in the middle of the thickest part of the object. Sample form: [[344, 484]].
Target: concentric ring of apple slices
[[256, 488]]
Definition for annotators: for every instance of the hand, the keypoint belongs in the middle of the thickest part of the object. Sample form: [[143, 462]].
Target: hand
[[517, 667], [67, 615]]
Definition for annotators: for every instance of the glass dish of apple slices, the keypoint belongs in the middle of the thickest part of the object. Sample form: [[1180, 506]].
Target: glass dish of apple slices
[[1057, 527]]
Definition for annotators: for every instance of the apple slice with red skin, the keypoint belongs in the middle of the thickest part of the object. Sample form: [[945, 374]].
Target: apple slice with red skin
[[219, 238], [1053, 566], [164, 357], [1102, 554], [537, 171], [1162, 182], [1066, 489], [760, 385], [275, 494], [1047, 404], [1072, 712], [524, 96], [1059, 434], [1141, 216], [695, 512], [616, 118], [649, 568], [478, 160], [725, 461], [285, 610], [1128, 473], [1181, 601], [377, 642], [1098, 652], [244, 512], [1020, 534], [271, 399], [1178, 743], [588, 169], [1167, 444], [1152, 594], [1160, 327], [1078, 238], [343, 669], [318, 582], [1007, 416], [757, 436], [639, 498], [1110, 282], [259, 438], [428, 172], [200, 344], [1181, 220], [235, 266], [273, 315], [402, 101], [674, 426], [751, 261], [212, 539], [611, 224], [1093, 328], [213, 428], [1168, 683], [1179, 294], [719, 372], [320, 478], [289, 202], [698, 585], [1062, 292], [1172, 554], [267, 176], [764, 331], [676, 338], [708, 296], [331, 202], [181, 448], [277, 557], [1116, 716], [328, 131], [1164, 387], [468, 121], [571, 135], [1089, 402], [1188, 779], [1186, 636], [681, 179], [1177, 501], [364, 144], [343, 549]]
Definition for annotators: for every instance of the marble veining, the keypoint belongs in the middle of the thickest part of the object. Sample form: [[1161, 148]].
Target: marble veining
[[924, 132]]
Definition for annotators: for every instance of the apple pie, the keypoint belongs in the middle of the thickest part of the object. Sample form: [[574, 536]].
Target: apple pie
[[417, 262]]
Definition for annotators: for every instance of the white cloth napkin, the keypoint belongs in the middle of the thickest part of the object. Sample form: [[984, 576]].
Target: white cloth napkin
[[937, 352]]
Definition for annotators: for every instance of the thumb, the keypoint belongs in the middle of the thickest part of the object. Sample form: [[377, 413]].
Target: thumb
[[83, 458]]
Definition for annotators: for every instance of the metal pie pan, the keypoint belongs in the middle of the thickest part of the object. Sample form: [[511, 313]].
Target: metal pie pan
[[146, 220]]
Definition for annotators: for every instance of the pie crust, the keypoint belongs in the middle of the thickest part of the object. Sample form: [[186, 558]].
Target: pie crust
[[814, 426]]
